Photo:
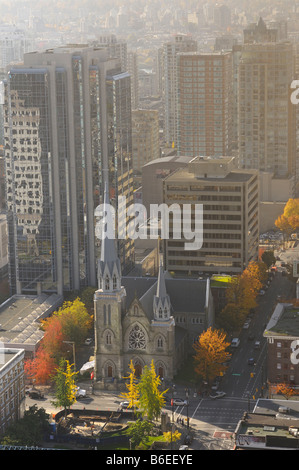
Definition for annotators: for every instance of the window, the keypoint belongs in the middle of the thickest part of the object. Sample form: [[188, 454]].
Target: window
[[108, 338], [160, 342], [107, 283], [114, 282], [137, 338]]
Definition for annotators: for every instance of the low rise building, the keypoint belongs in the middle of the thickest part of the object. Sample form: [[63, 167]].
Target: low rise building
[[12, 386], [282, 334]]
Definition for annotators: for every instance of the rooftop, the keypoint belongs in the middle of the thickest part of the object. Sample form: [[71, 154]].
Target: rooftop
[[20, 318], [284, 321], [220, 280]]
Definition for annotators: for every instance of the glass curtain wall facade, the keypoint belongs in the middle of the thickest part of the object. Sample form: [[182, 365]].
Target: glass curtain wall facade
[[29, 180], [120, 159], [58, 107]]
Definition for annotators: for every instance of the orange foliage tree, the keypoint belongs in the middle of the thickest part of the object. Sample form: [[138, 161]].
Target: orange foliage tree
[[241, 295], [70, 323], [288, 222], [211, 354]]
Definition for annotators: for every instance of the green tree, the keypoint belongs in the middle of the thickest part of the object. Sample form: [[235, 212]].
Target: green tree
[[151, 400], [29, 430], [268, 258], [139, 431], [65, 386]]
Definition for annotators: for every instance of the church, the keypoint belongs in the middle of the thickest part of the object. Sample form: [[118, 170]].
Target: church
[[144, 319]]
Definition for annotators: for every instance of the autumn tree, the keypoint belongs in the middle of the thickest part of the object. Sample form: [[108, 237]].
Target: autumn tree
[[286, 390], [74, 318], [211, 354], [40, 369], [151, 400], [241, 295], [288, 221], [132, 395]]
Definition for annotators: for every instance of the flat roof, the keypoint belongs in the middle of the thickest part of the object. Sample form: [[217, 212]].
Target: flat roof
[[284, 321], [20, 316], [183, 175]]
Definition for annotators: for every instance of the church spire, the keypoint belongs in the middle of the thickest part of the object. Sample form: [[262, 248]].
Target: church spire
[[161, 305], [109, 268]]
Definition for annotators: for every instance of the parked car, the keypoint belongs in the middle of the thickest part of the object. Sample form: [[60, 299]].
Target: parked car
[[80, 393], [246, 325], [36, 394], [251, 361], [124, 405], [257, 345], [88, 341], [179, 402], [218, 395]]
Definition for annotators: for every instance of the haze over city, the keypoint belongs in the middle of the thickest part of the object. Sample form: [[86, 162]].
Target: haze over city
[[149, 226]]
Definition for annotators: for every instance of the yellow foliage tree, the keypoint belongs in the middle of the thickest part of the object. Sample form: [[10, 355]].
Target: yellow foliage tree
[[132, 396], [172, 436], [211, 354], [288, 222]]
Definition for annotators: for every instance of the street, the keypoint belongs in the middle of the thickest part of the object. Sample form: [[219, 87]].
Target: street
[[214, 420]]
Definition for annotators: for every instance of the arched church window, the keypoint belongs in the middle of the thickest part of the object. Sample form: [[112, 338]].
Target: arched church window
[[107, 283], [108, 338], [114, 282], [105, 314], [160, 342], [109, 314], [137, 338], [165, 312], [135, 309], [160, 313]]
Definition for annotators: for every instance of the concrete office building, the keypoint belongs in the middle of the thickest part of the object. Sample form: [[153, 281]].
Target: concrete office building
[[67, 130], [181, 43], [267, 118], [230, 216], [145, 137], [205, 104]]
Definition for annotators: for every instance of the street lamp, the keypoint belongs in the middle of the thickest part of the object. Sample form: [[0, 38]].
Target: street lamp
[[74, 356], [187, 397]]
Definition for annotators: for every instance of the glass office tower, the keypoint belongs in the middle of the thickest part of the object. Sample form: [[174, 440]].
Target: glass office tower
[[58, 108]]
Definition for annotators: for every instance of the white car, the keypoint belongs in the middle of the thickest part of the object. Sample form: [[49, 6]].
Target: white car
[[218, 395], [179, 402], [88, 341], [80, 393]]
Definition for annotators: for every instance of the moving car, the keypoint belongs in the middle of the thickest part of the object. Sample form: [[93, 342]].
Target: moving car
[[179, 402], [251, 361], [218, 395], [88, 341], [257, 345], [235, 342]]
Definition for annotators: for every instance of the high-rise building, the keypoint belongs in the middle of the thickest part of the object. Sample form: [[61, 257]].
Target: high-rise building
[[267, 119], [67, 129], [230, 222], [181, 43], [145, 137], [204, 104]]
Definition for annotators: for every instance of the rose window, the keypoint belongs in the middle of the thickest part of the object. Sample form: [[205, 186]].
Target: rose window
[[137, 338]]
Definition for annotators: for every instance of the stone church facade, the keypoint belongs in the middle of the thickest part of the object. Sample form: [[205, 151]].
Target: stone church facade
[[144, 319]]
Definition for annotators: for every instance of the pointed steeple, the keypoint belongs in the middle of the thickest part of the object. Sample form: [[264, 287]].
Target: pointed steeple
[[109, 268], [161, 305]]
